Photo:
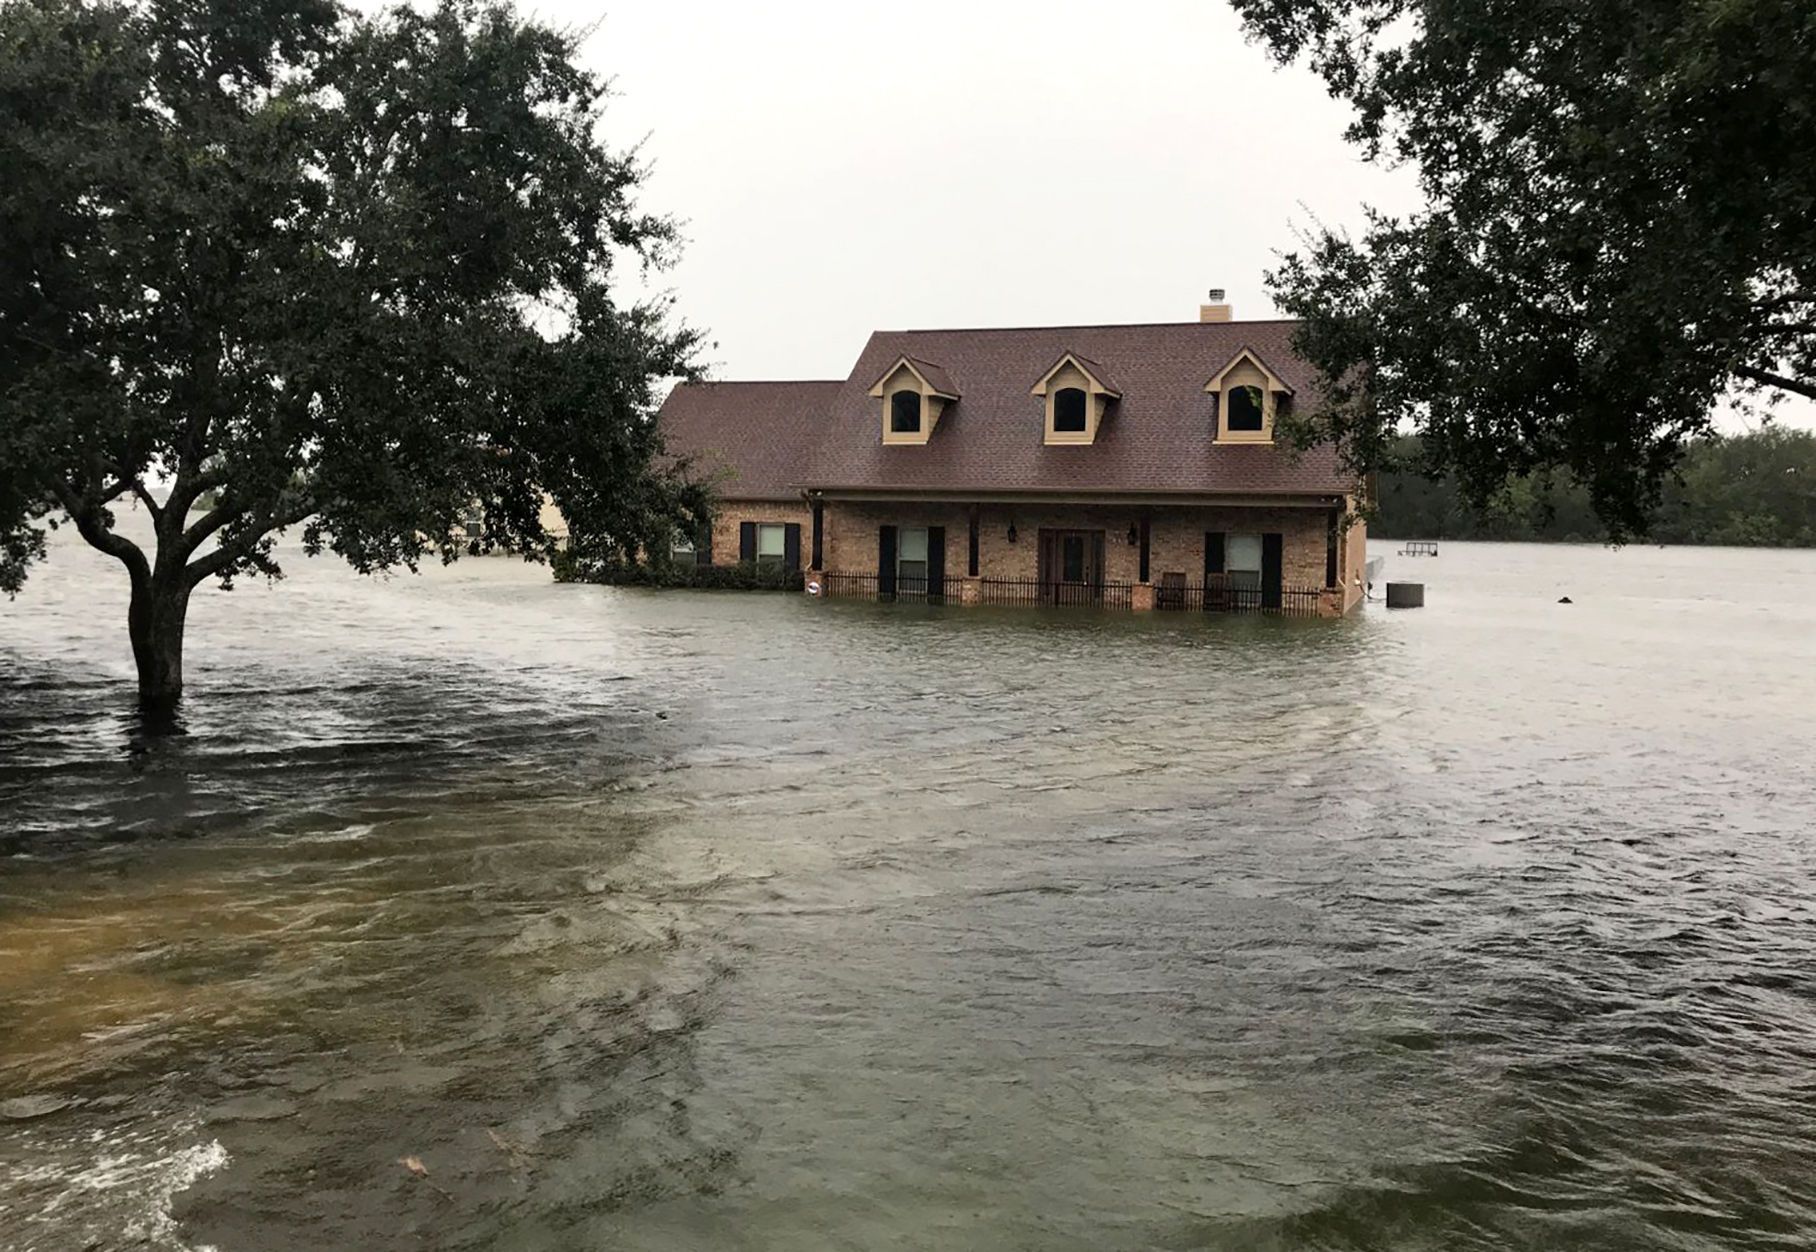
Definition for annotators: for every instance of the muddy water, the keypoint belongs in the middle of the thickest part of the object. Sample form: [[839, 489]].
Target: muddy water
[[664, 921]]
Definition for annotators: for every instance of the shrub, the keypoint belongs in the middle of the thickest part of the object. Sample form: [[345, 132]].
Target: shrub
[[744, 576]]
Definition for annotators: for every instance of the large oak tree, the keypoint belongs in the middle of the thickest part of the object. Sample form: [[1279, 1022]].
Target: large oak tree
[[1620, 231], [307, 267]]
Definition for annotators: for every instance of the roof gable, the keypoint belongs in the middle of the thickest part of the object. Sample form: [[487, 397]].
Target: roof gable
[[934, 380], [1248, 354], [1098, 376]]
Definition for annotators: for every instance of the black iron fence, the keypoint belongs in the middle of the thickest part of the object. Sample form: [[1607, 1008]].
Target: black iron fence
[[835, 583], [1236, 595], [1036, 593], [870, 587], [1220, 595]]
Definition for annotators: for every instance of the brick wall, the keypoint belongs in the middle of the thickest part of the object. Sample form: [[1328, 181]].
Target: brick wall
[[1176, 540], [851, 532], [728, 515], [1176, 537], [1354, 559]]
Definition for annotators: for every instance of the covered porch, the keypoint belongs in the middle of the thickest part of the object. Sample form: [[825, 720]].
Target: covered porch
[[1135, 555]]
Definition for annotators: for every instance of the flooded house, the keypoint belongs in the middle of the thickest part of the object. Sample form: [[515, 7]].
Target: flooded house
[[1132, 466]]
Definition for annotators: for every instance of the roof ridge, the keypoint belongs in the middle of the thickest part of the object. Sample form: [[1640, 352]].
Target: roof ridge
[[760, 382], [974, 330]]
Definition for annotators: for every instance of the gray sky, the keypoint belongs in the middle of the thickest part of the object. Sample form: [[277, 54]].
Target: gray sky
[[843, 165], [850, 166]]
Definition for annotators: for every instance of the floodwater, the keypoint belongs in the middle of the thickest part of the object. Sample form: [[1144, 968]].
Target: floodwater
[[713, 921]]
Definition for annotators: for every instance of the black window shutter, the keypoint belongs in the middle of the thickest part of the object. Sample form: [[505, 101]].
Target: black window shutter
[[971, 565], [791, 546], [1330, 549], [1273, 549], [1213, 553], [703, 546], [747, 541], [885, 560], [936, 564], [1097, 558], [1144, 549], [819, 534]]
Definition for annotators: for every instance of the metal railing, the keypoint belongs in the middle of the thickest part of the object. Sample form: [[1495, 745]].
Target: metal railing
[[1051, 593], [1224, 595], [845, 585], [841, 584], [1219, 595]]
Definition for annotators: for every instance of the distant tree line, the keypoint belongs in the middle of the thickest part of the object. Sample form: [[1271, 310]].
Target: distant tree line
[[1753, 490]]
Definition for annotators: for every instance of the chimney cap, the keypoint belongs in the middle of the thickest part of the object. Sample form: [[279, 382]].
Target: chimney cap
[[1216, 293]]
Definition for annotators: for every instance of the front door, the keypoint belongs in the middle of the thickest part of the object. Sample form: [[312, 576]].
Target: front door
[[1071, 566]]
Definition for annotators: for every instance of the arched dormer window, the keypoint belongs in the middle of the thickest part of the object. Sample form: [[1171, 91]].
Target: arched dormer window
[[1247, 403], [1069, 410], [913, 394], [1246, 396], [1078, 395], [905, 412]]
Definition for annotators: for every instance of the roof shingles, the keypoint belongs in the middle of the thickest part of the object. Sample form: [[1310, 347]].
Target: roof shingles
[[778, 438], [748, 439], [1158, 437]]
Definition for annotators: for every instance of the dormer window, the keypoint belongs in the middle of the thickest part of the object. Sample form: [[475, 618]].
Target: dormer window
[[913, 394], [1246, 398], [1078, 395], [1247, 403], [905, 412]]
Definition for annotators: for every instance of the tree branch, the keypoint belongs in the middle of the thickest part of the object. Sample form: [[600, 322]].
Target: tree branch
[[152, 506], [210, 522], [1785, 301], [189, 489], [90, 526], [241, 546], [1777, 380]]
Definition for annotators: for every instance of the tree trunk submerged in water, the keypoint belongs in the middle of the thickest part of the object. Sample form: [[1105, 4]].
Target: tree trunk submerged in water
[[155, 622]]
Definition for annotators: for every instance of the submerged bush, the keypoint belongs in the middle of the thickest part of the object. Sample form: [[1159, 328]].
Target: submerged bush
[[744, 576]]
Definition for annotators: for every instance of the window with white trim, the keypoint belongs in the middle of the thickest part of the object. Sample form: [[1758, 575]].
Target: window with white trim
[[911, 561], [772, 544], [1069, 408], [1248, 412], [905, 412], [1242, 560]]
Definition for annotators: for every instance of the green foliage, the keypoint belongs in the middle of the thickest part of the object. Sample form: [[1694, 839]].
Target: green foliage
[[1752, 490], [574, 567], [1621, 230], [344, 269]]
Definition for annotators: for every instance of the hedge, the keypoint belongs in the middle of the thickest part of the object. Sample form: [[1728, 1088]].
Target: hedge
[[744, 576]]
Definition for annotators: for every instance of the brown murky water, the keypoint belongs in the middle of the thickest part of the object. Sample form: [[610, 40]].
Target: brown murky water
[[677, 921]]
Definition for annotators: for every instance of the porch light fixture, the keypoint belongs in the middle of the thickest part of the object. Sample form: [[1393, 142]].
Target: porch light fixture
[[1011, 532], [1134, 534]]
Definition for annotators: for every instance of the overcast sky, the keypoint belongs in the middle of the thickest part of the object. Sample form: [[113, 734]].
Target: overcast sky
[[843, 166]]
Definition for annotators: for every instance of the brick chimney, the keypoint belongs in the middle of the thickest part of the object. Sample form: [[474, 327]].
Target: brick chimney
[[1217, 310]]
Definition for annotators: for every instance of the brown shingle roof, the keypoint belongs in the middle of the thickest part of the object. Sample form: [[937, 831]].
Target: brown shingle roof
[[1158, 437], [935, 377], [1092, 368], [769, 440], [749, 440]]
